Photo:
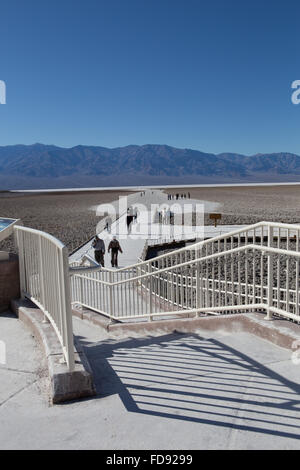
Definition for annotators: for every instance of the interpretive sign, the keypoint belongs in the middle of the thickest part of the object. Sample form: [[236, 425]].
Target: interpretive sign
[[215, 217], [6, 227]]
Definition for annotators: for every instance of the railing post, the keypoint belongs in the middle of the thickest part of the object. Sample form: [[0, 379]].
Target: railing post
[[81, 290], [20, 245], [66, 307], [41, 276], [198, 289], [150, 292], [270, 275], [111, 300]]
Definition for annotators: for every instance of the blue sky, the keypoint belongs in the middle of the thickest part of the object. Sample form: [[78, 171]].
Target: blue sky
[[209, 75]]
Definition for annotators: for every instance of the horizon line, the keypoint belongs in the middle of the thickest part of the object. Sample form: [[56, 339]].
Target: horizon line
[[139, 188]]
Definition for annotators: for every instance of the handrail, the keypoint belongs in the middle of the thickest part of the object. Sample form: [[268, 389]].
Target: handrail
[[203, 243], [44, 279], [258, 263], [190, 263], [45, 235]]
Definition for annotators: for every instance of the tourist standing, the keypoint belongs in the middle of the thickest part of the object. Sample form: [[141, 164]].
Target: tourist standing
[[99, 247]]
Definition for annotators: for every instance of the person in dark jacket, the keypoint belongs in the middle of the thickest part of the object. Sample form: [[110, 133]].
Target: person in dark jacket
[[114, 247], [129, 218], [108, 224], [99, 247]]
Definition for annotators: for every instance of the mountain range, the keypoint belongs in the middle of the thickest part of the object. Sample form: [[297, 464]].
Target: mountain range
[[48, 166]]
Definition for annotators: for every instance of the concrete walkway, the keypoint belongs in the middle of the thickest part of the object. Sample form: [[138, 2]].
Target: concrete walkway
[[25, 367], [207, 390], [146, 228]]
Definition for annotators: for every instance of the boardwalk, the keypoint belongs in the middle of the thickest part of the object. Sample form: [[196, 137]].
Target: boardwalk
[[148, 227]]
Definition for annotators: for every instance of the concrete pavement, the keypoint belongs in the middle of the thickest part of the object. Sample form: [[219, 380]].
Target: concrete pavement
[[207, 390], [25, 365]]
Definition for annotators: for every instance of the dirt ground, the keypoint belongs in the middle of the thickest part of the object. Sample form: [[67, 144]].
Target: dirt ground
[[66, 215], [69, 216], [250, 204]]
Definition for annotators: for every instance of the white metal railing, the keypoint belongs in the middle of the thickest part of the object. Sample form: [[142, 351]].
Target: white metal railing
[[256, 267], [44, 279]]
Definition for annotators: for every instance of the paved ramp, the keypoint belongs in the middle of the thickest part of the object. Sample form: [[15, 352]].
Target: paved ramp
[[206, 390]]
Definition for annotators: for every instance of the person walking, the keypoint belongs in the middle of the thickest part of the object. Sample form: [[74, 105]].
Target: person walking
[[129, 219], [108, 224], [114, 247], [99, 247]]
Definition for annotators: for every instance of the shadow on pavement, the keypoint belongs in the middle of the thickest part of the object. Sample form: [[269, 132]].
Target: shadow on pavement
[[187, 377]]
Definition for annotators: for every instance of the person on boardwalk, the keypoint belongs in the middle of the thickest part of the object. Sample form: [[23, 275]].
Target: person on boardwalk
[[115, 247], [99, 247], [108, 224], [129, 218]]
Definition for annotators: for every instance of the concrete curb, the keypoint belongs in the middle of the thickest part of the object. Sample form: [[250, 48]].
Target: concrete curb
[[92, 317], [65, 385], [278, 331]]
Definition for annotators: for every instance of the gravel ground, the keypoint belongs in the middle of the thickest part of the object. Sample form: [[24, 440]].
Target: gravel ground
[[250, 204], [67, 216]]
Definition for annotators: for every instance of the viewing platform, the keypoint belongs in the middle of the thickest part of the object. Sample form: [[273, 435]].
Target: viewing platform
[[205, 336], [207, 389]]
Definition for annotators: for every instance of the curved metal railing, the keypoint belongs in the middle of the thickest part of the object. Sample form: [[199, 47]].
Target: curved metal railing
[[256, 267], [44, 279]]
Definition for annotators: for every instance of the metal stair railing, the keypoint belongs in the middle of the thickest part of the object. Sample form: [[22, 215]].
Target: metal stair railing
[[256, 267], [44, 279]]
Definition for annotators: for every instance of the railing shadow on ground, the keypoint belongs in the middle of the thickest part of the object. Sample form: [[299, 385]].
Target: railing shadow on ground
[[191, 378]]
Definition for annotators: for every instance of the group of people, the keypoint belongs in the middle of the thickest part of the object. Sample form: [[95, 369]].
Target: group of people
[[179, 196], [114, 246], [166, 217], [99, 247]]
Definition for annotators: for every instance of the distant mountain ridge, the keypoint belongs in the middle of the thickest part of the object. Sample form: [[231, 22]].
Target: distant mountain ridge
[[38, 166]]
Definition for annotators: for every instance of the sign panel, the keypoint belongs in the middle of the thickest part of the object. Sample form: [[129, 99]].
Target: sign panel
[[6, 226], [215, 217], [5, 223]]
